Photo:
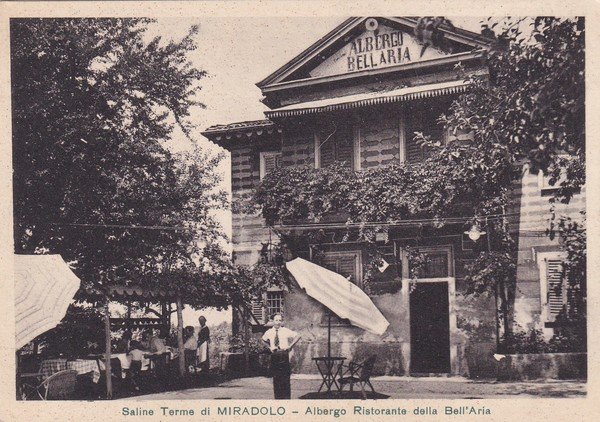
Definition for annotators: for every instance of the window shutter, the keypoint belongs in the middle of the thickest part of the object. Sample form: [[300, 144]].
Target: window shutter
[[327, 150], [345, 145], [339, 147], [257, 311], [270, 161], [413, 153], [424, 120], [345, 265], [555, 287]]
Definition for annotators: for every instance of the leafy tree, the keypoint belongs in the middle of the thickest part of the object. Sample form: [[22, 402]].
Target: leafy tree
[[532, 104], [95, 102], [80, 332]]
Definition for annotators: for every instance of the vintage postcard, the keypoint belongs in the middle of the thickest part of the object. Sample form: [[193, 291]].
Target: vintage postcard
[[275, 210]]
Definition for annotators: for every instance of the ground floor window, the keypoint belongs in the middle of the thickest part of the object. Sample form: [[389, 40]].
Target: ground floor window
[[556, 301], [274, 302], [269, 304]]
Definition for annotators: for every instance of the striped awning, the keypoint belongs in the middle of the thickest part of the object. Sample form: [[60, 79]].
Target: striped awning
[[44, 289], [369, 99]]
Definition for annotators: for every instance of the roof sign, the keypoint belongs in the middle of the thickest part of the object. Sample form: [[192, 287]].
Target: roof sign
[[383, 47]]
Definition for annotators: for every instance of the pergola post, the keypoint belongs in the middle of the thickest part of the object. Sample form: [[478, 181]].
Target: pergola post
[[107, 367], [180, 336]]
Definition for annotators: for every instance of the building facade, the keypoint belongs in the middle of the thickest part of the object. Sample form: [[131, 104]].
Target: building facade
[[355, 97]]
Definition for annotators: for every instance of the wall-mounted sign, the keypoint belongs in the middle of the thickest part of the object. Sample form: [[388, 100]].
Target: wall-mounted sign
[[375, 49]]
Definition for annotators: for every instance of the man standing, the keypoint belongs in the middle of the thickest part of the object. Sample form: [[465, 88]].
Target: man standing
[[203, 340], [280, 341]]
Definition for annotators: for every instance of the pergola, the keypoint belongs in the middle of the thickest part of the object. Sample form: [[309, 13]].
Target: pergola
[[127, 294]]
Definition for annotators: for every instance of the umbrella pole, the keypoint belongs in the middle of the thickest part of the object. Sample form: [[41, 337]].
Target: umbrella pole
[[107, 357], [329, 335]]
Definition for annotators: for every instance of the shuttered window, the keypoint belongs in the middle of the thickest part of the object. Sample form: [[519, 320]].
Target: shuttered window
[[338, 146], [424, 120], [344, 263], [269, 161], [348, 264], [271, 304], [556, 293]]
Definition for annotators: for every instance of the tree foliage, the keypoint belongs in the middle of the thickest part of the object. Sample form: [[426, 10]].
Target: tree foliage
[[532, 104], [95, 103]]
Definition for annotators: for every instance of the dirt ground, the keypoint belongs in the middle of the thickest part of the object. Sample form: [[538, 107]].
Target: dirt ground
[[395, 387]]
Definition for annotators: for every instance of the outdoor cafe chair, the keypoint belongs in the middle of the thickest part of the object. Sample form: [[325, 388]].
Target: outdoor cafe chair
[[359, 373], [58, 386]]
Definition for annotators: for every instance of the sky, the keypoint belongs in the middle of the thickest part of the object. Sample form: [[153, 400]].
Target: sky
[[237, 53]]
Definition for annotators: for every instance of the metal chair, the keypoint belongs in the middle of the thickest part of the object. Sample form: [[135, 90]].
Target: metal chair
[[59, 386], [359, 373]]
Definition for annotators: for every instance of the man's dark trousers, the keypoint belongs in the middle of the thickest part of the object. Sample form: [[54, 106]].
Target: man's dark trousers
[[281, 370]]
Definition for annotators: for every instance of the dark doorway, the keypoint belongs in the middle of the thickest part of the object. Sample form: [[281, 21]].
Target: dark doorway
[[429, 328]]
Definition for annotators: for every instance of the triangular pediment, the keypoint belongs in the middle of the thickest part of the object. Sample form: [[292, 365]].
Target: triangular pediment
[[384, 47], [366, 43]]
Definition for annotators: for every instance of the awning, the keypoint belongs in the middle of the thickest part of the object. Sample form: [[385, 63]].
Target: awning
[[44, 289], [341, 296], [131, 292], [369, 99]]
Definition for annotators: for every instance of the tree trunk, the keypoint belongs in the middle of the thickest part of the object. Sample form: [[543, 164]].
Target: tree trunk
[[246, 341], [180, 337], [107, 356], [506, 328]]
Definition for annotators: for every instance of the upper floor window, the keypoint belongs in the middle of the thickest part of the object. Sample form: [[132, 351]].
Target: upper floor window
[[269, 161], [422, 118], [335, 143]]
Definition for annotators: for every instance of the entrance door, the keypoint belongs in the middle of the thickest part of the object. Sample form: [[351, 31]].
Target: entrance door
[[430, 328]]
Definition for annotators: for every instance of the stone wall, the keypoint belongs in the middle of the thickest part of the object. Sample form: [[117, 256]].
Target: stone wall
[[520, 367]]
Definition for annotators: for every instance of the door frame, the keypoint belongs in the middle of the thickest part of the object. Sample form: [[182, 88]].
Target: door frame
[[452, 317]]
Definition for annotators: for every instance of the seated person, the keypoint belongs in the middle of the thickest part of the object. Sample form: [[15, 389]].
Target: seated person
[[190, 348], [191, 341], [145, 340], [157, 344], [124, 343], [136, 355]]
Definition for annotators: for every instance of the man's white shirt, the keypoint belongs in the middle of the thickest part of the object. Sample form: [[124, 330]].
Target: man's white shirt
[[285, 337]]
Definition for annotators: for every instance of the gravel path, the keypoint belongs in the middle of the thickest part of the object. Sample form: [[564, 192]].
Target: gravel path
[[395, 387]]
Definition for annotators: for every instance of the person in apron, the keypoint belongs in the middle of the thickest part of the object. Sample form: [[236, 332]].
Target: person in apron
[[203, 341]]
